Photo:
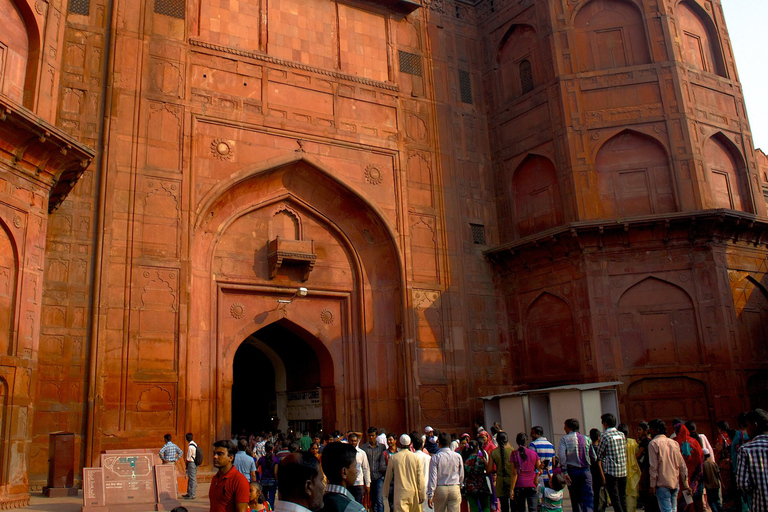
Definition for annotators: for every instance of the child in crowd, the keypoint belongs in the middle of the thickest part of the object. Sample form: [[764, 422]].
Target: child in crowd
[[551, 498], [256, 501], [712, 482], [340, 468]]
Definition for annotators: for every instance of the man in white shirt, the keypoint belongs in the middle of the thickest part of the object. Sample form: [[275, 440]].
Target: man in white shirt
[[446, 476], [363, 481], [191, 468]]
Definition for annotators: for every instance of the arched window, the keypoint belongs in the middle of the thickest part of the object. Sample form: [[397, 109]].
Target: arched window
[[8, 276], [515, 61], [610, 34], [698, 37], [526, 76], [633, 176], [727, 181], [537, 196], [14, 52]]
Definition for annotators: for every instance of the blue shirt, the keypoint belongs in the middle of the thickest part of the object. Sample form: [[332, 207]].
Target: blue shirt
[[170, 452], [546, 453], [244, 464]]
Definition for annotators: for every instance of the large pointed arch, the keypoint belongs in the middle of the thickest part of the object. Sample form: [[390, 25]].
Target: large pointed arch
[[700, 43], [360, 300]]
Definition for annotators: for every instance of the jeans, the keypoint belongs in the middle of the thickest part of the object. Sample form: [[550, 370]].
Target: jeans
[[357, 491], [523, 496], [617, 491], [269, 488], [713, 498], [580, 489], [191, 478], [667, 499], [377, 497]]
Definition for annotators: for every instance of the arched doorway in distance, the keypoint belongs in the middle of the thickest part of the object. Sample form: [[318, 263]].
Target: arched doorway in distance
[[279, 382]]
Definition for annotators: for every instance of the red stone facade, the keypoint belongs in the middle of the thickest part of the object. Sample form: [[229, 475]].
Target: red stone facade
[[476, 198]]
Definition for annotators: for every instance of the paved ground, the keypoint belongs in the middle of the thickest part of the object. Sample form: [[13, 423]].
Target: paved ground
[[39, 503]]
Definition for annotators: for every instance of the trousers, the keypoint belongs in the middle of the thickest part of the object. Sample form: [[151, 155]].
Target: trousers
[[447, 498], [617, 491], [580, 489], [191, 478]]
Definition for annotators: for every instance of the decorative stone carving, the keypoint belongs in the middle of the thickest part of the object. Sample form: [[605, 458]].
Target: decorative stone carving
[[301, 252], [222, 149], [373, 175], [237, 310], [326, 316]]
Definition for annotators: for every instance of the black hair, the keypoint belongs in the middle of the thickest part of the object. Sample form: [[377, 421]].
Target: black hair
[[336, 457], [572, 424], [242, 444], [444, 440], [643, 426], [609, 420], [723, 425], [188, 437], [471, 449], [180, 509], [691, 426], [417, 443], [538, 430], [522, 440], [167, 437], [392, 435], [351, 434], [293, 446], [294, 472], [268, 447], [741, 420], [494, 430], [658, 424], [261, 491], [594, 435], [624, 429], [557, 482], [677, 421], [760, 418], [372, 430], [229, 445], [503, 439]]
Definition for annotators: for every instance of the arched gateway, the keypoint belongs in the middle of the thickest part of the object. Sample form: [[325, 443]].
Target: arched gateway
[[296, 296]]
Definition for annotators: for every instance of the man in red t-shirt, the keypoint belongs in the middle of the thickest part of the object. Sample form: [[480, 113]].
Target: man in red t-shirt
[[229, 490]]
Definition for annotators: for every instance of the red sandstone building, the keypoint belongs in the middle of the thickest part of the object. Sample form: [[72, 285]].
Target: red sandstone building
[[478, 197]]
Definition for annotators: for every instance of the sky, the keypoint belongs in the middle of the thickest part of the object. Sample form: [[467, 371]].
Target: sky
[[747, 22]]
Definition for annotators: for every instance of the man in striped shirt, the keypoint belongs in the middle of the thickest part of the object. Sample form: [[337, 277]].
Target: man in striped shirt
[[612, 456], [544, 450], [752, 465]]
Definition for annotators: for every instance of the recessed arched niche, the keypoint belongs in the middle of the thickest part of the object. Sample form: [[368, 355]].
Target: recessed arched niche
[[537, 204], [700, 45], [727, 177], [633, 176], [516, 61], [610, 34], [14, 52]]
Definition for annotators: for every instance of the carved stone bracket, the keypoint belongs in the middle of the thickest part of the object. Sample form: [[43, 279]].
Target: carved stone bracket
[[297, 252]]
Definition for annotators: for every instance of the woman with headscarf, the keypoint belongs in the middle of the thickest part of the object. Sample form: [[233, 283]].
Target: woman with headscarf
[[694, 461], [723, 459]]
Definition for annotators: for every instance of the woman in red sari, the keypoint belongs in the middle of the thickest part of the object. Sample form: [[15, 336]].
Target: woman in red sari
[[694, 461]]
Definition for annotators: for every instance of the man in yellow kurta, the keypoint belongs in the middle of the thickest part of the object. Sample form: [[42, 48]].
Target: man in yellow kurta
[[405, 468]]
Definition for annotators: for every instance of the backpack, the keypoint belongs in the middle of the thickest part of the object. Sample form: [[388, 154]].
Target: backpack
[[198, 456]]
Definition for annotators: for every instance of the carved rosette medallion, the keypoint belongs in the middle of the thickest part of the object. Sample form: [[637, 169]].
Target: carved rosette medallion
[[373, 175], [222, 149], [17, 221], [326, 316], [237, 311]]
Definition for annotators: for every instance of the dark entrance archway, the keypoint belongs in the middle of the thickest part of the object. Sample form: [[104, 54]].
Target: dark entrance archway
[[277, 382]]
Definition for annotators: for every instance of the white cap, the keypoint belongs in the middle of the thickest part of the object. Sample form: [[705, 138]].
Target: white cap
[[428, 429], [405, 440]]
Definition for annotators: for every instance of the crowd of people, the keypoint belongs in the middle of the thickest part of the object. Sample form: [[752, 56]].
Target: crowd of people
[[458, 473]]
